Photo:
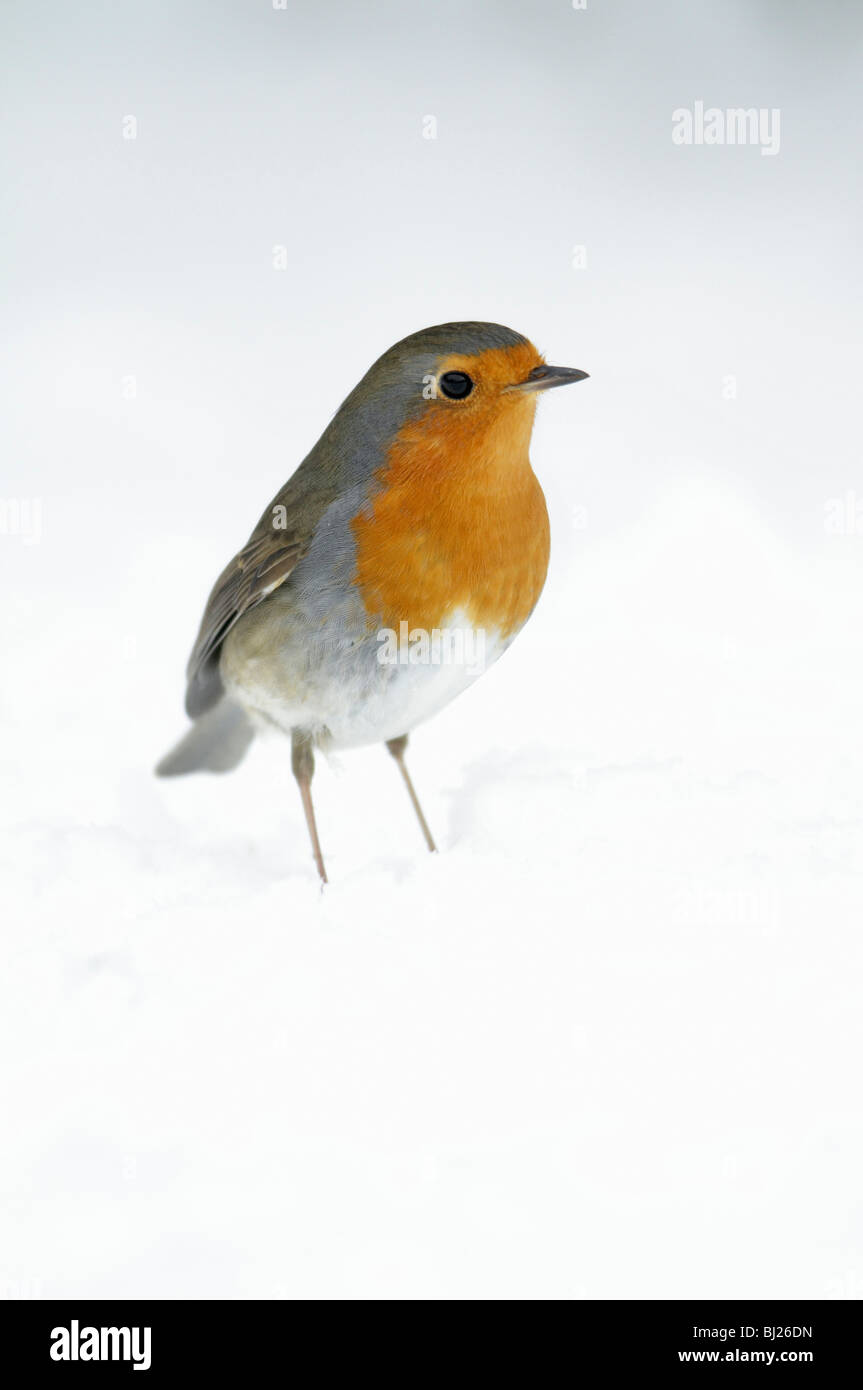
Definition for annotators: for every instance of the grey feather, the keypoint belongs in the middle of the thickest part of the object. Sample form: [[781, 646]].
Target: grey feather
[[215, 743]]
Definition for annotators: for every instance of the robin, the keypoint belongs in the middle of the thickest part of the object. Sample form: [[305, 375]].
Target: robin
[[403, 555]]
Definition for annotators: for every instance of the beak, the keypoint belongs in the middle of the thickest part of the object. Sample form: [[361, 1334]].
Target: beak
[[544, 377]]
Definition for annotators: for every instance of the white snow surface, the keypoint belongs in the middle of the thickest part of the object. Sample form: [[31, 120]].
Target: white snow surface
[[607, 1042]]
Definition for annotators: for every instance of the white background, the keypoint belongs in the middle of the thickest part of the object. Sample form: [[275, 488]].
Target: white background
[[607, 1043]]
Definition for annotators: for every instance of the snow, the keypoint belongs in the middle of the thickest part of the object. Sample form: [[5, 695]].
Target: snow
[[607, 1042]]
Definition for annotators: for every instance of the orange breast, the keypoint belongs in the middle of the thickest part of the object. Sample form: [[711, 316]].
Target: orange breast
[[460, 524]]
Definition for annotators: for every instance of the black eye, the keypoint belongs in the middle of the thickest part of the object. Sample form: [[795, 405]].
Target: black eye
[[456, 385]]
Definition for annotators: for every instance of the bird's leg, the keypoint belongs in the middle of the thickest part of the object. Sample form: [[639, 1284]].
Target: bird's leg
[[397, 746], [303, 764]]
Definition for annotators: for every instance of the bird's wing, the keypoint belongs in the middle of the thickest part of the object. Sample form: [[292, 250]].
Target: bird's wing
[[260, 567], [266, 560]]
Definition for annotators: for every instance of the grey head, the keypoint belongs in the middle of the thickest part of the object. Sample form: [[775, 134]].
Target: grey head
[[391, 393]]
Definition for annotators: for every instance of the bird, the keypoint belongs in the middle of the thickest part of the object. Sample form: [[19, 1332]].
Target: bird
[[416, 512]]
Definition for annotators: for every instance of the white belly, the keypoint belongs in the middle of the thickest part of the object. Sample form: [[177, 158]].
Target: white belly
[[347, 694]]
